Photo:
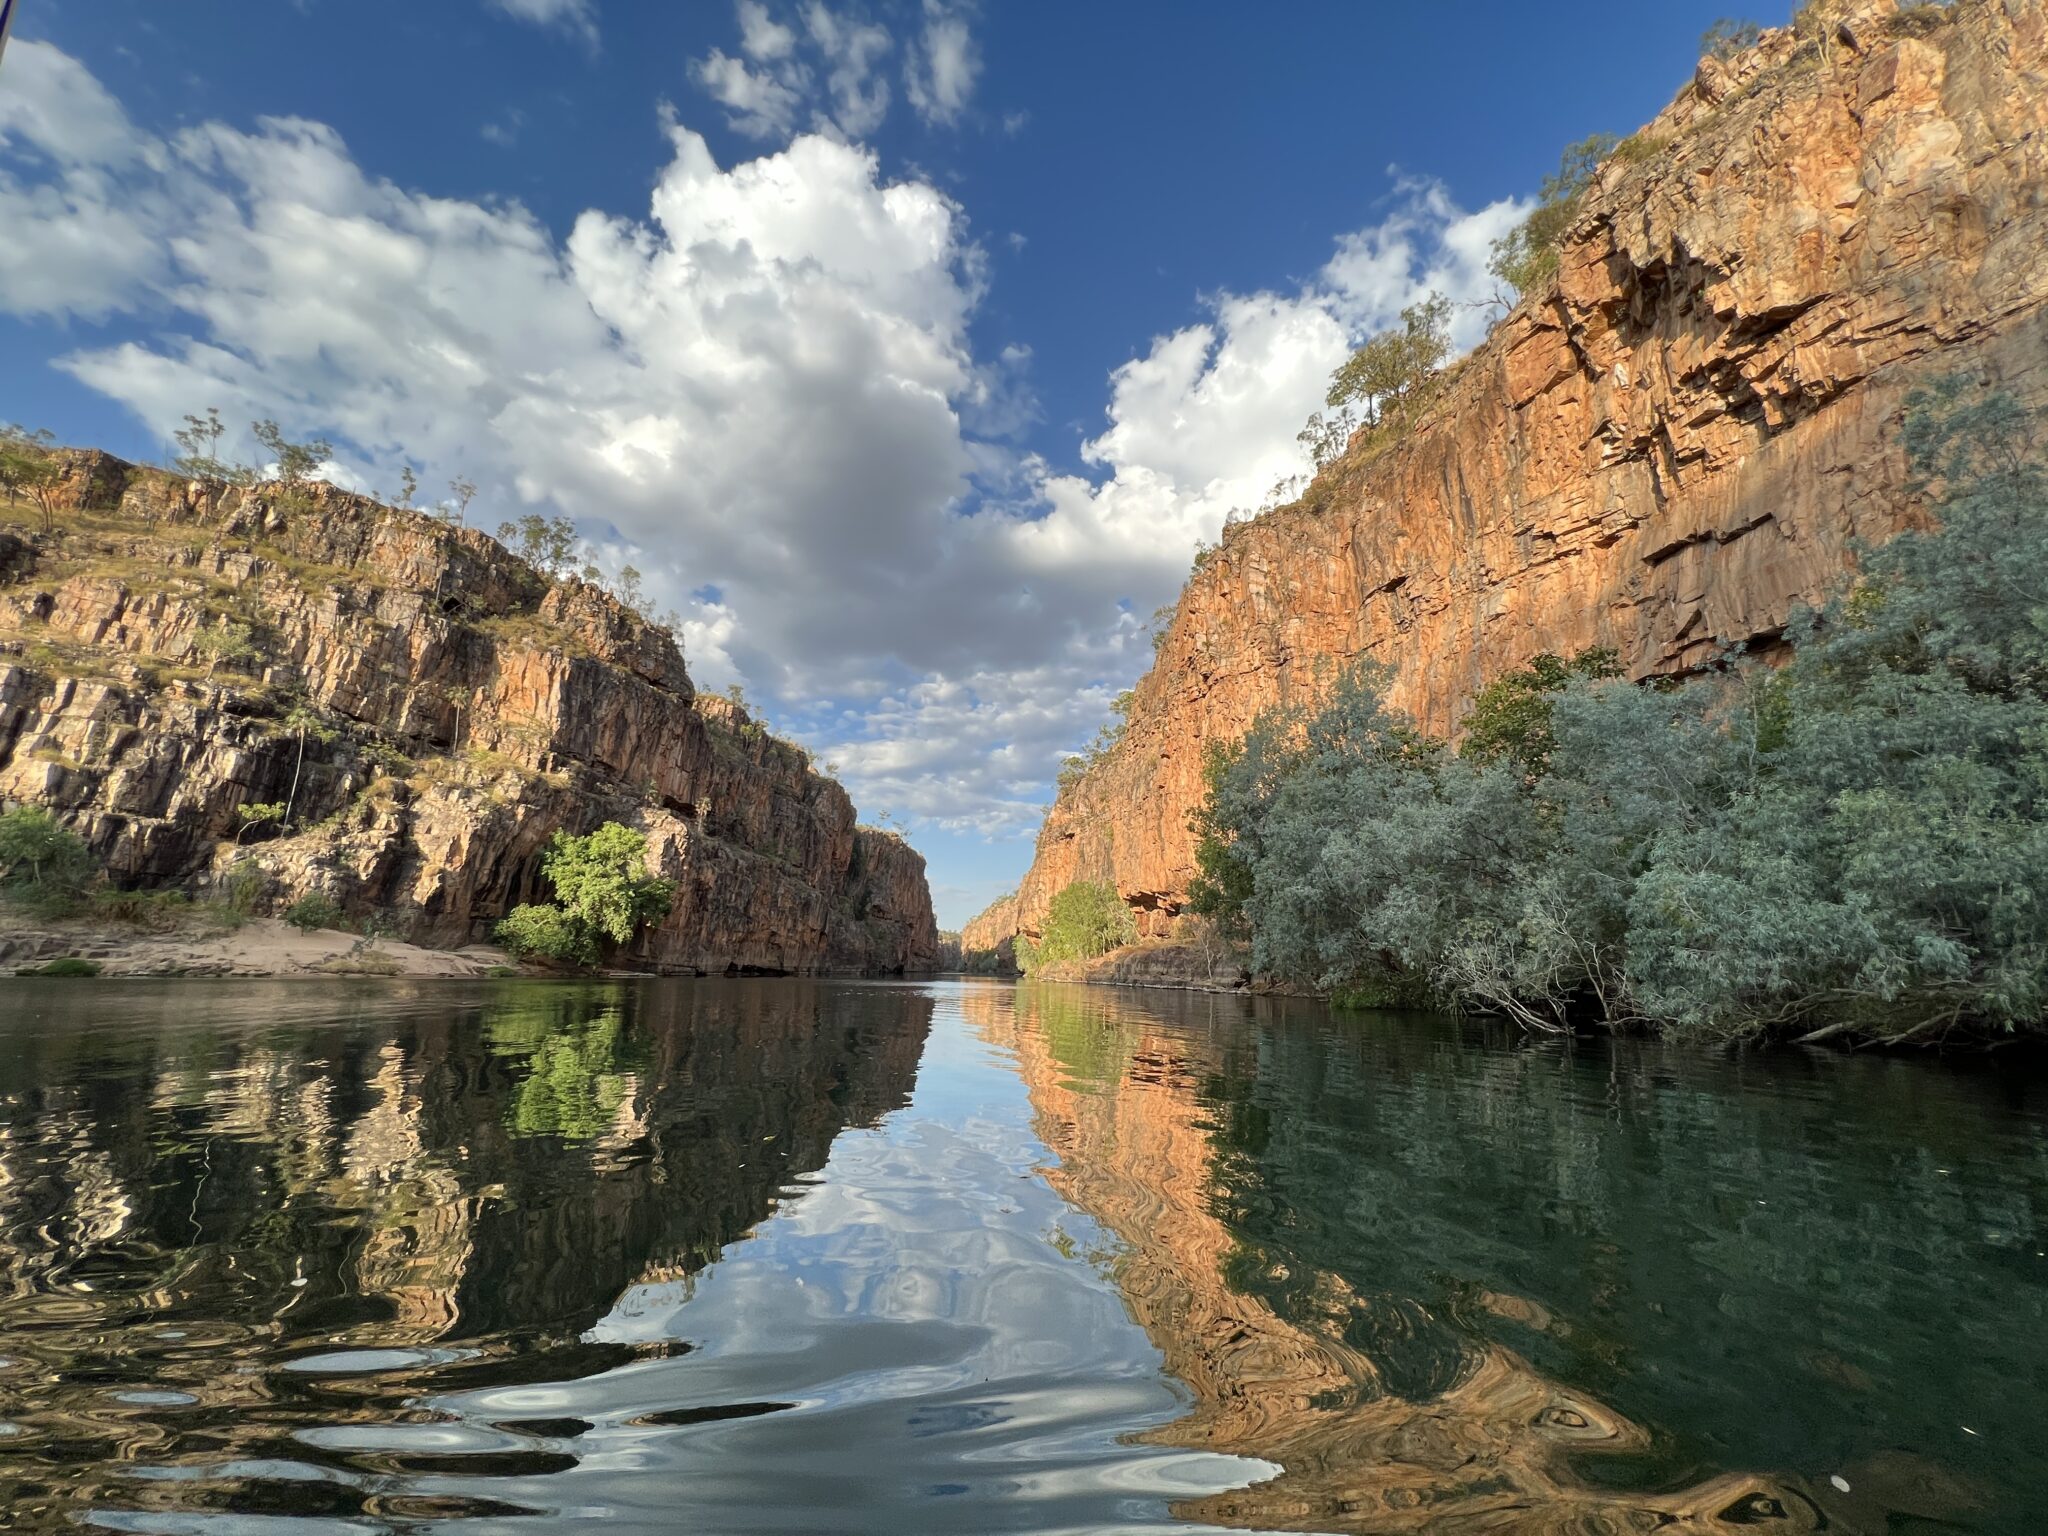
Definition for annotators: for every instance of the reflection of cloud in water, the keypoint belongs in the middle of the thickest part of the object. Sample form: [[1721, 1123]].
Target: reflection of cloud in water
[[904, 1329], [1486, 1447]]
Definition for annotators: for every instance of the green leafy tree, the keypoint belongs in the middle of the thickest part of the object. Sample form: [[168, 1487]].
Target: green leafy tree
[[1855, 842], [296, 463], [536, 931], [1510, 717], [461, 492], [1084, 920], [314, 910], [1385, 381], [1395, 365], [1885, 868], [1222, 884], [21, 453], [42, 862], [603, 896], [28, 462], [303, 721], [548, 544], [261, 813], [226, 644], [1526, 257], [199, 449]]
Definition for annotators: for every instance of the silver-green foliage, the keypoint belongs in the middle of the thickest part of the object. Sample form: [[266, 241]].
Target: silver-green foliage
[[1885, 868], [1857, 842]]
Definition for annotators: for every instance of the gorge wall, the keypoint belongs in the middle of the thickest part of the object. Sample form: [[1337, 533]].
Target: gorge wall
[[431, 708], [1667, 449]]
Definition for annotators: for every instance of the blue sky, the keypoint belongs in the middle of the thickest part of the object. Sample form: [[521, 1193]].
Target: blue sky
[[908, 347]]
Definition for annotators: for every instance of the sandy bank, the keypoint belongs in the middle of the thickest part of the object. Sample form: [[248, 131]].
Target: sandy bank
[[263, 946]]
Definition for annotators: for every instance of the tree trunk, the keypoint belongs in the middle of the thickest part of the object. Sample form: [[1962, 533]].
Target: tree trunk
[[292, 796]]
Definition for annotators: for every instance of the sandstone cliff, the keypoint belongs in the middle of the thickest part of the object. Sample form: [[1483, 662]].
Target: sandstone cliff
[[1666, 450], [430, 707], [991, 936]]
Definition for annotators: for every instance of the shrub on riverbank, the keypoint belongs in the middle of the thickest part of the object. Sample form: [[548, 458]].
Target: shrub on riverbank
[[604, 896], [69, 965], [43, 864], [1084, 920], [1854, 843]]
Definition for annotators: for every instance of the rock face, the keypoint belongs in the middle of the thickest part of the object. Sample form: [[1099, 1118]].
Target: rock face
[[430, 708], [1668, 449], [993, 934]]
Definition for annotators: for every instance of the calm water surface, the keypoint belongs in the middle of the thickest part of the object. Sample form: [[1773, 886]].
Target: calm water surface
[[783, 1256]]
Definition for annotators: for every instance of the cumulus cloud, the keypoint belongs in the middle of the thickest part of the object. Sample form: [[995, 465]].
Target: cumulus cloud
[[574, 16], [760, 389]]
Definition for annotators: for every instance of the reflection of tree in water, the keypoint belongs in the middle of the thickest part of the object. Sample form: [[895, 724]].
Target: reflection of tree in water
[[1456, 1286], [577, 1074], [1092, 1058], [185, 1208]]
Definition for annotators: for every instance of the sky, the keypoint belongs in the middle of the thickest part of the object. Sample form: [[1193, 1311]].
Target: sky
[[909, 347]]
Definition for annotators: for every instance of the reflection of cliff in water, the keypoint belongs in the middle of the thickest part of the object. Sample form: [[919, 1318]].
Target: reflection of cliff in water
[[185, 1209], [1338, 1237]]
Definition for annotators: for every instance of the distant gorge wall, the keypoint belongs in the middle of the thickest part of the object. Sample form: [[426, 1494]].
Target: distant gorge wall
[[456, 710], [1667, 450]]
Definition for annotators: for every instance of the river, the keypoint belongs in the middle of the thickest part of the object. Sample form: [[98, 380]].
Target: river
[[790, 1256]]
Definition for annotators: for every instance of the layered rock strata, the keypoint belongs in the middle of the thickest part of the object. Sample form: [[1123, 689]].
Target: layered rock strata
[[1666, 450], [429, 708]]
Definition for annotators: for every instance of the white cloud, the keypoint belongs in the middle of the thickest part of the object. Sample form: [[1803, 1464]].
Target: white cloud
[[575, 16], [761, 389], [851, 49], [759, 103], [820, 69], [941, 68], [761, 35]]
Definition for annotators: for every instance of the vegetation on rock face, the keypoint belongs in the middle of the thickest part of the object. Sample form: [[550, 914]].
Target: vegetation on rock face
[[1111, 732], [1382, 385], [1084, 920], [604, 896], [27, 464], [1728, 37], [1854, 843], [43, 864], [1526, 256]]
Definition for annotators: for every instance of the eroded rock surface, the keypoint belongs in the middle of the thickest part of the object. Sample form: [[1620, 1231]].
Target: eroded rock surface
[[430, 708], [1669, 449]]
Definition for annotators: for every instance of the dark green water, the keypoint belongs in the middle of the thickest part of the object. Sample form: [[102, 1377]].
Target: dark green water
[[782, 1256]]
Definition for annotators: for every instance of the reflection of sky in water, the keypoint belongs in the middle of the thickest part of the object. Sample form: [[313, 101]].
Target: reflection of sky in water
[[904, 1338]]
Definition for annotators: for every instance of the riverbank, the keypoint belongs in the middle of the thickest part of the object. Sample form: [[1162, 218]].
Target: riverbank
[[1161, 963], [260, 946]]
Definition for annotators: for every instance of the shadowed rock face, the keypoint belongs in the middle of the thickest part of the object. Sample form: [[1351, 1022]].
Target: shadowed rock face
[[1666, 451], [459, 710], [993, 933]]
